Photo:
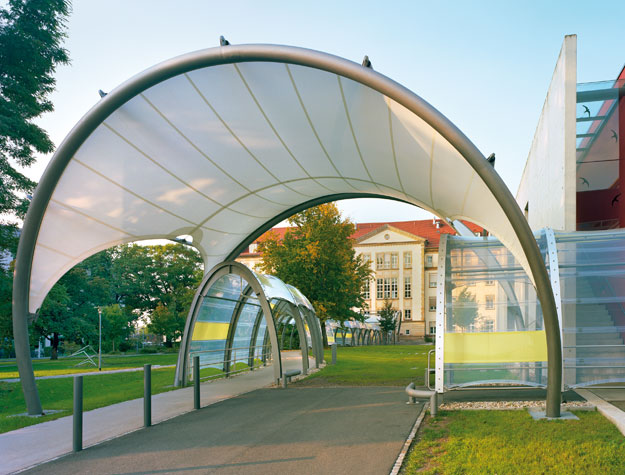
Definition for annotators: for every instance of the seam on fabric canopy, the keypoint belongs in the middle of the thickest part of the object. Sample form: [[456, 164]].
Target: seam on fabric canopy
[[392, 138], [262, 111], [201, 152], [314, 130], [351, 129]]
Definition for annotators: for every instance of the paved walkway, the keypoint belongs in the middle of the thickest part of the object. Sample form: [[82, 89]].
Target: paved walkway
[[311, 431], [35, 444], [89, 373]]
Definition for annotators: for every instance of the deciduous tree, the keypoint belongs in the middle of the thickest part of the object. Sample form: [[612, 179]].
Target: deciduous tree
[[31, 36], [388, 318], [317, 257]]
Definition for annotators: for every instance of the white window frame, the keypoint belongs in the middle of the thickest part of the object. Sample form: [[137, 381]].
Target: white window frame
[[407, 259]]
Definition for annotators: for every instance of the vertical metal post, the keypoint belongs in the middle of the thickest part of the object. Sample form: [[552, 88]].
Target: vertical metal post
[[147, 395], [77, 432], [334, 353], [433, 404], [196, 382], [440, 315], [100, 339], [554, 277]]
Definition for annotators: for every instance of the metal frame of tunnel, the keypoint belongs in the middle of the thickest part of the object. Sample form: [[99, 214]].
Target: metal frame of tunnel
[[217, 272], [288, 55]]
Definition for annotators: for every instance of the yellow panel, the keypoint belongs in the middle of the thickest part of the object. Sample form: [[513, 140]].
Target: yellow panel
[[210, 331], [496, 347]]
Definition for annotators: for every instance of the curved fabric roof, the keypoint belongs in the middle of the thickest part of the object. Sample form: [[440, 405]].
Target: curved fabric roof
[[221, 143]]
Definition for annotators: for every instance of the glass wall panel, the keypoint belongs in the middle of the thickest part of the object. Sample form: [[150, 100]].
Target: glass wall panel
[[494, 330], [599, 124], [592, 279], [214, 317], [244, 330]]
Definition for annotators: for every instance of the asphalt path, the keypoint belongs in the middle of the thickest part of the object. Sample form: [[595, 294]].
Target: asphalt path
[[267, 431]]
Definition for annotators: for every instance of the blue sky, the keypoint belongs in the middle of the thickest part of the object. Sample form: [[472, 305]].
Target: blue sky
[[485, 65]]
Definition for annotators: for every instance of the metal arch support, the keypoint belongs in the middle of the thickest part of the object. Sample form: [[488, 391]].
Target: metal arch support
[[301, 330], [440, 315], [254, 338], [232, 328], [315, 329], [554, 267], [289, 55], [315, 334], [220, 270]]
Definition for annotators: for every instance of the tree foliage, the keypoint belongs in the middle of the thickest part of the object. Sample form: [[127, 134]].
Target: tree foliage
[[128, 282], [176, 275], [31, 36], [388, 317], [465, 310], [317, 257]]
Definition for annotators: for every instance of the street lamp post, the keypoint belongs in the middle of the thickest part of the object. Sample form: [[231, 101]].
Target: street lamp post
[[100, 339]]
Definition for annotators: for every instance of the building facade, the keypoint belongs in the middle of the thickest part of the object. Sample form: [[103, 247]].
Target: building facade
[[403, 257]]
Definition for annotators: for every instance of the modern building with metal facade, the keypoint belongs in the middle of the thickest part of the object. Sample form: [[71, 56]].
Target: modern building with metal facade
[[224, 143]]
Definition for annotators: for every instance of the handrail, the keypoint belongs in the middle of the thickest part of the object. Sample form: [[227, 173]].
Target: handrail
[[429, 371], [421, 393], [233, 352]]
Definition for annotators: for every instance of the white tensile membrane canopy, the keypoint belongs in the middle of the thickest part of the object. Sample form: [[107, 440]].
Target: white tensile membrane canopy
[[218, 152]]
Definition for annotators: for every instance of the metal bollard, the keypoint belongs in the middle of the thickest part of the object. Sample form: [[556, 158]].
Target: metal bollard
[[434, 404], [196, 382], [334, 353], [147, 395], [77, 413]]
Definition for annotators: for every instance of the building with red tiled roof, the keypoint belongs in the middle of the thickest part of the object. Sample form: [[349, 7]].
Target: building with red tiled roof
[[403, 256]]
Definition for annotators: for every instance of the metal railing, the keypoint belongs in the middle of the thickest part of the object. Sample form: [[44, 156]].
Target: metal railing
[[260, 355]]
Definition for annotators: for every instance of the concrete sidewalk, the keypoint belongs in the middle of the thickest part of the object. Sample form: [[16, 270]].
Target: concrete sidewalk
[[342, 430], [35, 444]]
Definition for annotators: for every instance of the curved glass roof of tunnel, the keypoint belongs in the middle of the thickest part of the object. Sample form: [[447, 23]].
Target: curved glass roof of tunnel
[[220, 143]]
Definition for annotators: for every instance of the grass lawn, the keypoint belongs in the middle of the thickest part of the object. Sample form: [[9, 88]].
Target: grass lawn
[[98, 390], [47, 367], [498, 442], [390, 365]]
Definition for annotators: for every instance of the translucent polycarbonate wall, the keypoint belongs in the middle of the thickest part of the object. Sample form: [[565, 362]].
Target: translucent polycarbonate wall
[[493, 325], [493, 322], [592, 278]]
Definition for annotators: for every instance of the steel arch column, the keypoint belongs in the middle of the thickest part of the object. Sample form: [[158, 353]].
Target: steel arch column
[[290, 55]]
